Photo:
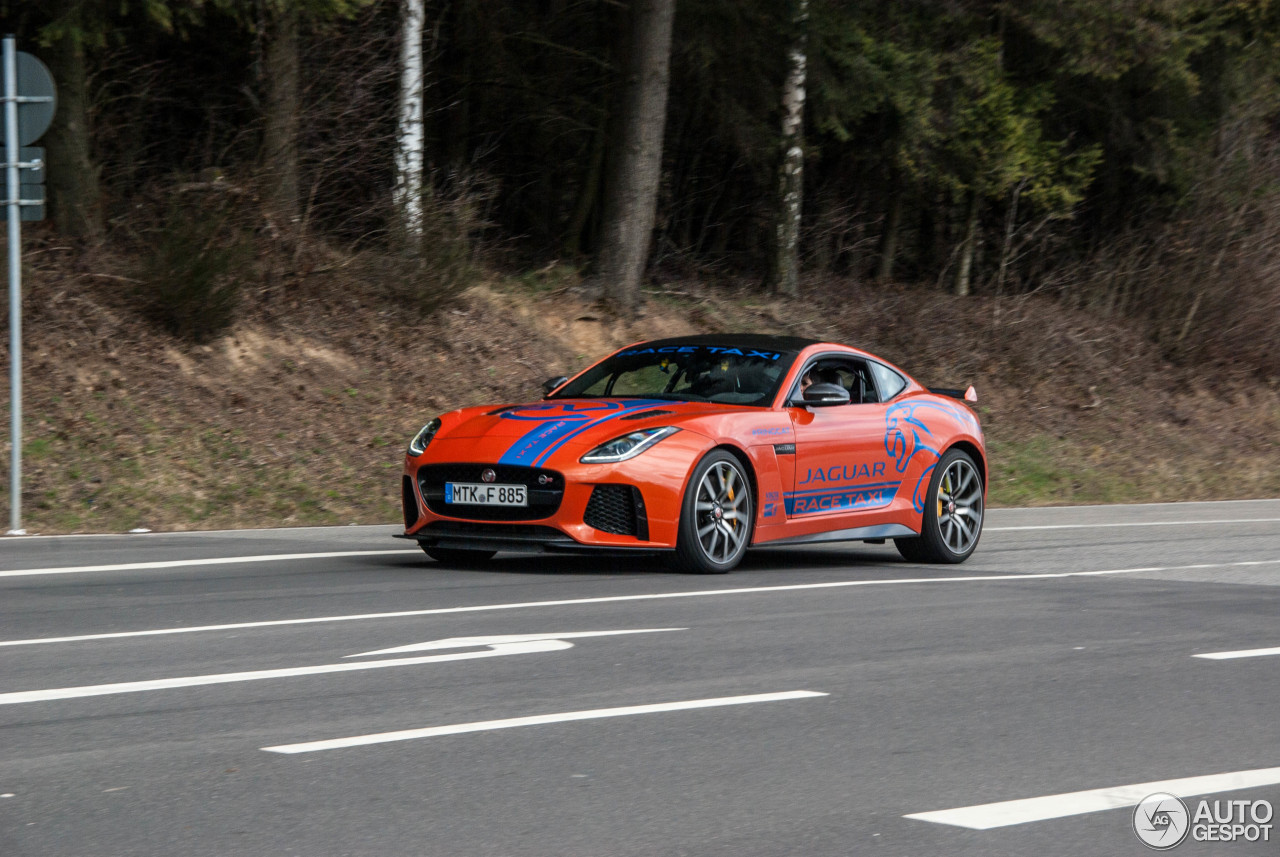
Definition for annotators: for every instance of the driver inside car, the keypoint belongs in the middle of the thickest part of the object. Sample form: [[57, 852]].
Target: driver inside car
[[819, 375]]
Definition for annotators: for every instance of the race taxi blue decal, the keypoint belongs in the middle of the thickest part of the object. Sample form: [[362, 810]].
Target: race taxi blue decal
[[902, 420], [705, 349], [560, 421], [845, 498]]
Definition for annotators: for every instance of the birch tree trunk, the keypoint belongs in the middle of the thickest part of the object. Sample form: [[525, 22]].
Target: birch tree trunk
[[410, 142], [965, 270], [785, 269], [632, 191]]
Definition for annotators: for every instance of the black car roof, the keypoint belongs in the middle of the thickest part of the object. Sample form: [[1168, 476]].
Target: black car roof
[[740, 340]]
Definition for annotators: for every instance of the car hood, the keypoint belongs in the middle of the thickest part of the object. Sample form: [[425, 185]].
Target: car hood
[[531, 434]]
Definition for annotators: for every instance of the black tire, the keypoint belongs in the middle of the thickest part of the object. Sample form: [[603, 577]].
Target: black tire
[[716, 517], [912, 550], [458, 557], [953, 513]]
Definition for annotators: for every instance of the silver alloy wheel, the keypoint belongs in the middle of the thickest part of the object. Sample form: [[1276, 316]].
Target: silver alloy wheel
[[960, 506], [719, 506]]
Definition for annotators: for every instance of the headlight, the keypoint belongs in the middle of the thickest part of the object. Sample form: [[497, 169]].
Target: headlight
[[627, 446], [420, 440]]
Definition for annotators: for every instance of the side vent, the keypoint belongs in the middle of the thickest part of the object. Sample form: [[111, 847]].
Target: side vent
[[644, 415]]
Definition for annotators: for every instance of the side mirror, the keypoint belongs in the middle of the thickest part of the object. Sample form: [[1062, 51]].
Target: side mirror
[[825, 396], [551, 383]]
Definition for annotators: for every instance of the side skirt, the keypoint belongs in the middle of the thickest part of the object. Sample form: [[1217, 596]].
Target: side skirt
[[876, 533]]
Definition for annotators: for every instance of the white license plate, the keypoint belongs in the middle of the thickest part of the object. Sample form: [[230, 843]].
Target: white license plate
[[481, 494]]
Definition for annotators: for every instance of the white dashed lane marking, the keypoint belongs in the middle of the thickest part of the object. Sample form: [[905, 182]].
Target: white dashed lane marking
[[1005, 813], [1242, 653]]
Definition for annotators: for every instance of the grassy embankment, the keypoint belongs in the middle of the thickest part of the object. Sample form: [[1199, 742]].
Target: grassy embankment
[[300, 415]]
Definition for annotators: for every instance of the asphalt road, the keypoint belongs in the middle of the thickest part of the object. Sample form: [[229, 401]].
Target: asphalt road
[[231, 694]]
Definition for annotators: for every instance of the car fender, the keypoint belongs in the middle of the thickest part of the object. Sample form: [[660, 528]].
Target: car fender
[[919, 429]]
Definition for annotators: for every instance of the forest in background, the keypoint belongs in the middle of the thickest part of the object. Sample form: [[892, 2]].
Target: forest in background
[[1118, 155], [244, 300]]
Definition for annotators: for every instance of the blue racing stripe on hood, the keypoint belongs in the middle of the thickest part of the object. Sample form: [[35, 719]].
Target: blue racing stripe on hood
[[559, 422]]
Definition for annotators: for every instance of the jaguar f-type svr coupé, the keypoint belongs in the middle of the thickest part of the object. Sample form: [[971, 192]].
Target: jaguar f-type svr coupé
[[703, 446]]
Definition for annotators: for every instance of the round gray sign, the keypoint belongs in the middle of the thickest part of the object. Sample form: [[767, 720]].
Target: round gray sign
[[34, 81]]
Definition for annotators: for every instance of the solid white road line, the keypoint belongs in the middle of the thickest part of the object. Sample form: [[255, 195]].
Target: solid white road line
[[1005, 813], [258, 675], [537, 720], [1127, 524], [1242, 653], [232, 560], [183, 563], [285, 532], [656, 596]]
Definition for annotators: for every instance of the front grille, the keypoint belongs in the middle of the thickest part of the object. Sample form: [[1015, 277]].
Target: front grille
[[617, 509], [546, 490]]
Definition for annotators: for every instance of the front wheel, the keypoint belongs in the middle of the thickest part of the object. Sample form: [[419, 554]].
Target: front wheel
[[716, 517], [953, 513]]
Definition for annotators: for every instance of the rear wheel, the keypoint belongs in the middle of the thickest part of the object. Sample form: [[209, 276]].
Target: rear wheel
[[716, 517], [457, 556], [953, 513]]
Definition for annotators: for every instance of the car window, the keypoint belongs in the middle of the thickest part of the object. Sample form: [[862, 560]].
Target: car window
[[889, 382], [849, 372]]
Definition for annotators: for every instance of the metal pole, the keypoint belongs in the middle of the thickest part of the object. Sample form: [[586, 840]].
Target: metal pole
[[15, 282]]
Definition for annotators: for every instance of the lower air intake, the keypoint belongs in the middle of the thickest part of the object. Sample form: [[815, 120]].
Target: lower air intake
[[617, 509]]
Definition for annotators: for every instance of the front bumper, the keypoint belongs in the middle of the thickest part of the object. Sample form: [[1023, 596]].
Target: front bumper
[[461, 535], [625, 505]]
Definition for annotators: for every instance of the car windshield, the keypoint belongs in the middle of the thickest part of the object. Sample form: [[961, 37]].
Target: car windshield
[[690, 373]]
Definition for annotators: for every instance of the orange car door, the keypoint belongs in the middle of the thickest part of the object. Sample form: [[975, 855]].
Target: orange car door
[[842, 467]]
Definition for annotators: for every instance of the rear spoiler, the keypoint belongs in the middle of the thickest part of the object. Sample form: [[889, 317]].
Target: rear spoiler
[[969, 395]]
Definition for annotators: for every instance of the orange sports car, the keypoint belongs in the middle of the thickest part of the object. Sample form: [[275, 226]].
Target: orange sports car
[[703, 446]]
